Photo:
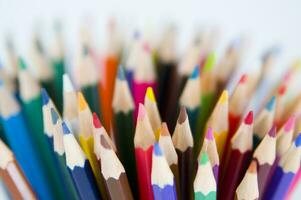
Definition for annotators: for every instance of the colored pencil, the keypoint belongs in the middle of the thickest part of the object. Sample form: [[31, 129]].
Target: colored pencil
[[144, 77], [280, 105], [70, 105], [170, 154], [59, 154], [109, 72], [265, 155], [31, 99], [123, 109], [238, 158], [191, 100], [7, 79], [183, 142], [264, 122], [13, 176], [113, 172], [285, 171], [204, 183], [19, 139], [237, 105], [86, 139], [79, 167], [88, 80], [12, 58], [151, 108], [219, 122], [163, 182], [209, 146], [143, 142], [208, 88], [58, 65], [248, 187]]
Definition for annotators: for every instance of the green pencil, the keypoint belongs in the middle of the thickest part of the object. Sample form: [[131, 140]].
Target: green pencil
[[123, 108], [32, 107]]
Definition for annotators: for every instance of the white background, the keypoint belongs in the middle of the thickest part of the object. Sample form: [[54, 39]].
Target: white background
[[266, 22]]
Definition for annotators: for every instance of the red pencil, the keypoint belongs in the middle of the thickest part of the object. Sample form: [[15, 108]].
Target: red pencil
[[240, 154], [143, 141]]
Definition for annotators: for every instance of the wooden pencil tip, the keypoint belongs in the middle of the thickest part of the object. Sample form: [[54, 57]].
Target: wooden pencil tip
[[120, 74], [164, 129], [150, 94], [204, 158], [282, 89], [45, 96], [82, 104], [224, 97], [65, 128], [209, 134], [157, 150], [54, 116], [243, 79], [271, 104], [253, 167], [67, 84], [290, 123], [96, 121], [196, 72], [298, 140], [22, 65], [141, 112], [249, 118], [104, 142], [273, 131], [182, 116]]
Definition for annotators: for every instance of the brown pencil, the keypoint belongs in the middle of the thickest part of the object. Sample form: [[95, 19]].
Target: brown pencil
[[12, 175]]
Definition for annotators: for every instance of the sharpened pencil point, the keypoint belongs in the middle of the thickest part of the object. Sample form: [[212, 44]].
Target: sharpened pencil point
[[54, 116], [290, 123], [253, 167], [141, 112], [65, 128], [210, 62], [96, 121], [45, 96], [273, 131], [22, 64], [182, 115], [67, 84], [195, 73], [157, 149], [164, 129], [243, 79], [249, 118], [209, 134], [82, 104], [104, 142], [224, 97], [120, 74], [298, 140], [282, 90], [150, 94], [271, 104], [204, 158]]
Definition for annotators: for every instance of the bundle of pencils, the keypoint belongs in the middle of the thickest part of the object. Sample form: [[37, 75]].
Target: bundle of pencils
[[141, 125]]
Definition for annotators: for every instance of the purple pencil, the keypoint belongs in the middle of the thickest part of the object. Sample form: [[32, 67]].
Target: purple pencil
[[163, 182], [285, 172]]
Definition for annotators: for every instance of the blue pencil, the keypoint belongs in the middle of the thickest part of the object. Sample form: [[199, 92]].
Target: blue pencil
[[79, 167], [163, 182], [18, 138], [287, 168]]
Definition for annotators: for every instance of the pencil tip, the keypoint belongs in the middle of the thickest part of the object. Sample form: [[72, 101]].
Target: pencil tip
[[273, 131], [196, 72], [157, 149], [82, 104], [45, 96], [120, 74], [65, 128], [271, 104], [298, 140], [182, 116], [209, 134], [22, 64], [282, 89], [96, 121], [204, 158], [164, 129], [243, 79], [290, 123], [67, 85], [141, 112], [209, 63], [104, 142], [253, 167], [249, 118], [54, 116], [150, 94], [224, 97]]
